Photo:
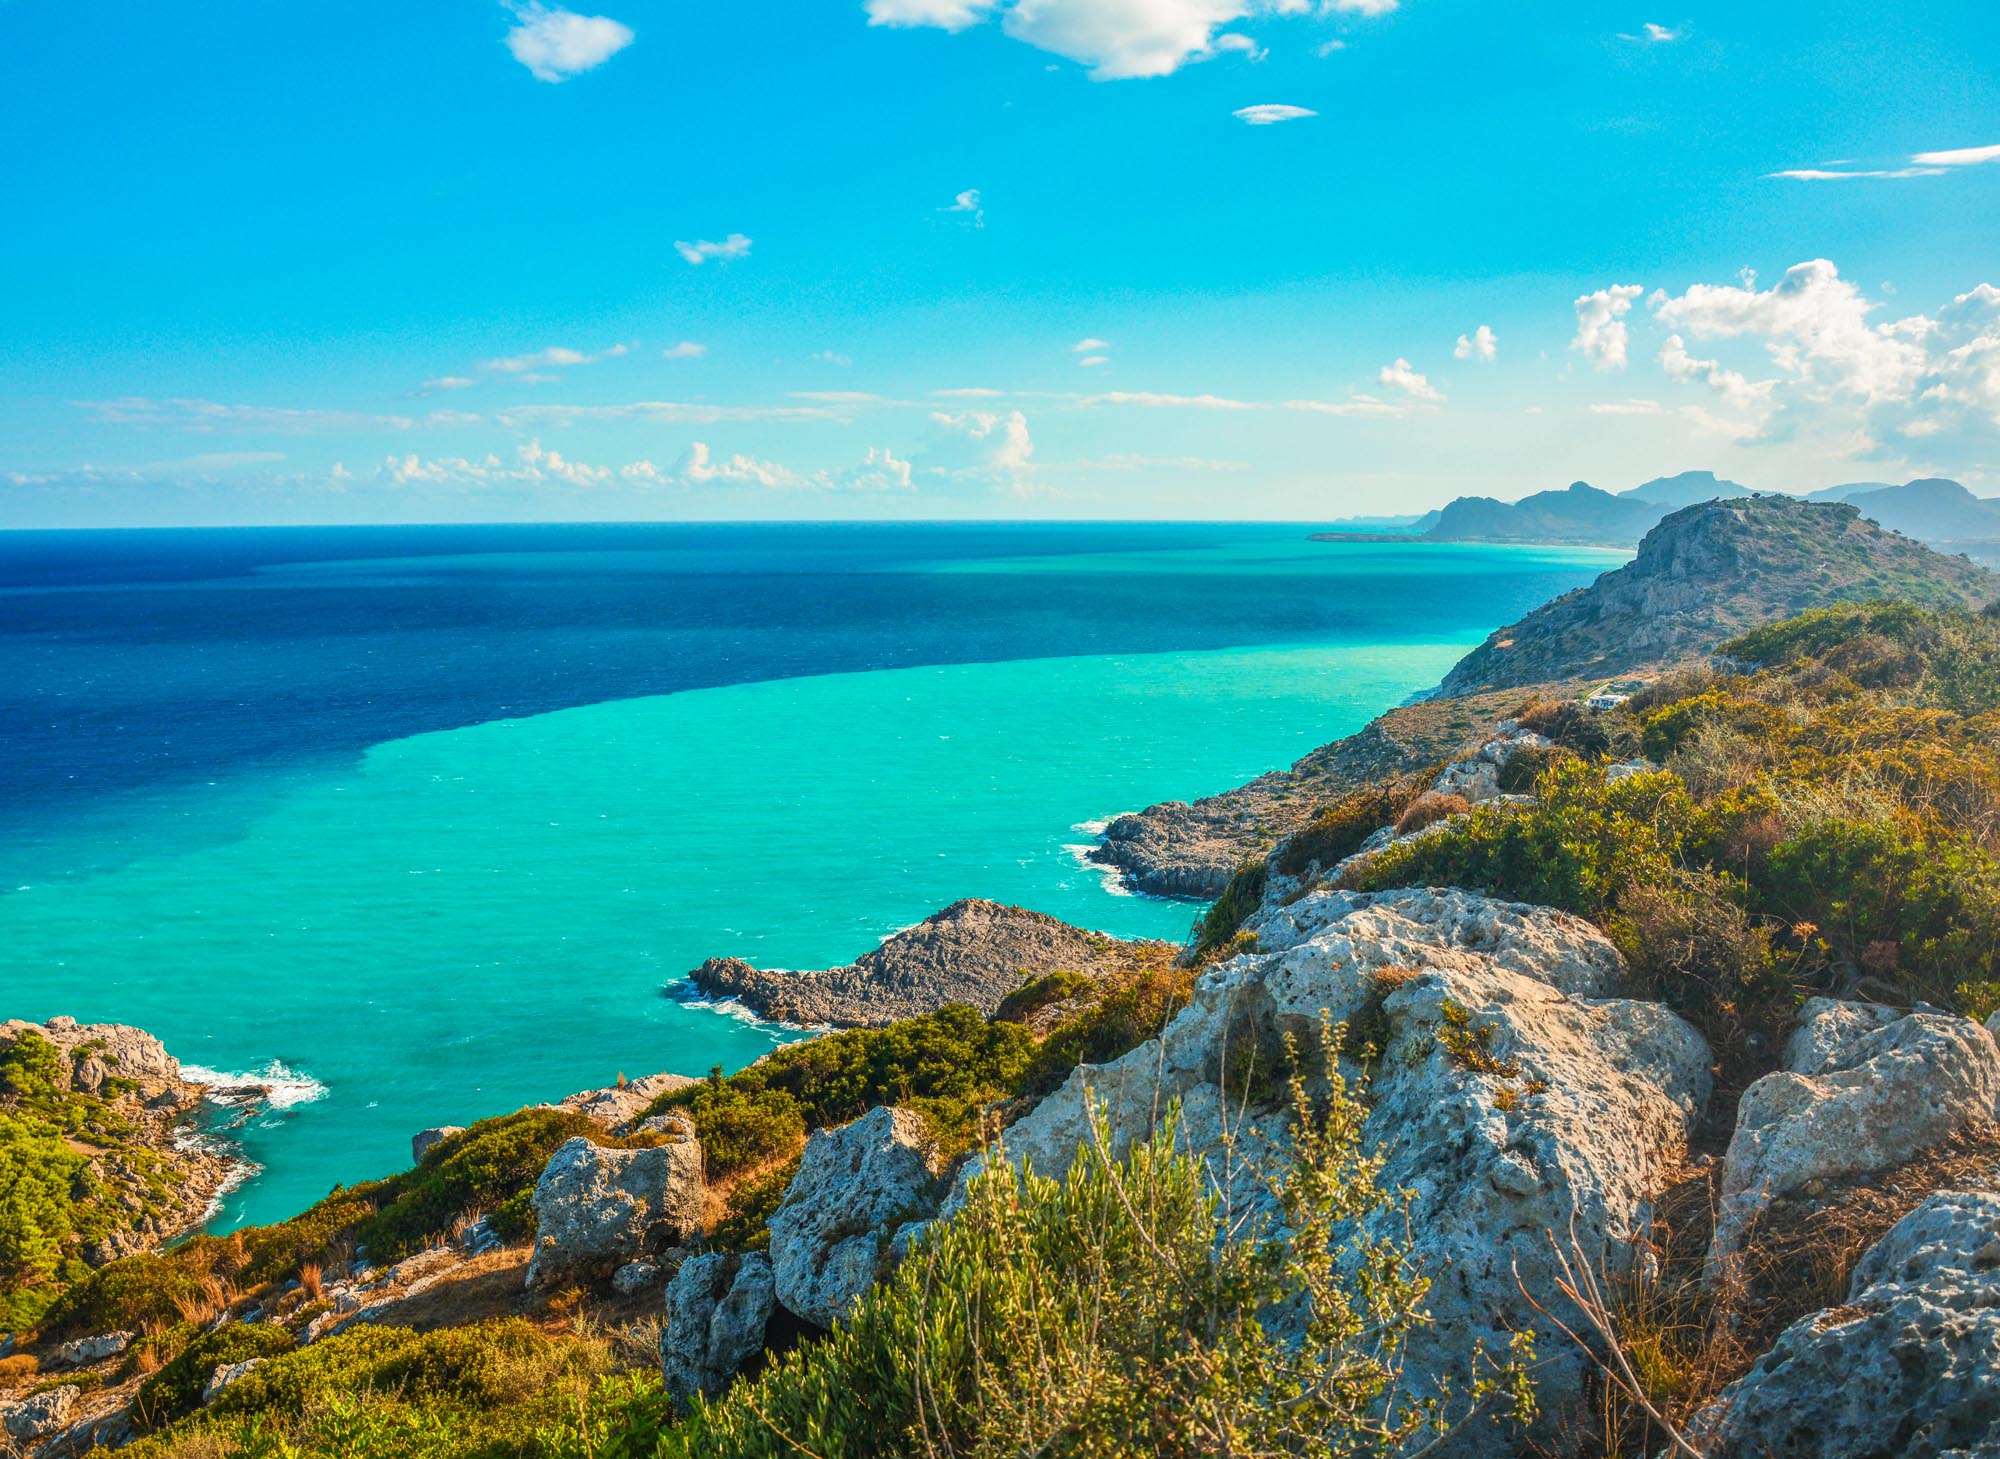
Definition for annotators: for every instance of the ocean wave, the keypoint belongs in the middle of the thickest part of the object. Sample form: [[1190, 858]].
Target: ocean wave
[[276, 1086], [1111, 876], [687, 995]]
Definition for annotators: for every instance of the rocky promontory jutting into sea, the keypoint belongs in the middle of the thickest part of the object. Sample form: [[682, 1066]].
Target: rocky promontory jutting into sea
[[1596, 1057]]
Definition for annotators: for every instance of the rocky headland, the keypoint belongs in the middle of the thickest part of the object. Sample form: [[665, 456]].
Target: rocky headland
[[974, 952]]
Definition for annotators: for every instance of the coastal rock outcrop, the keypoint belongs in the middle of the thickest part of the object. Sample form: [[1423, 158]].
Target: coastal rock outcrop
[[423, 1140], [718, 1308], [856, 1188], [1909, 1367], [40, 1415], [617, 1107], [597, 1209], [1512, 1097], [1477, 776], [972, 952], [1864, 1090]]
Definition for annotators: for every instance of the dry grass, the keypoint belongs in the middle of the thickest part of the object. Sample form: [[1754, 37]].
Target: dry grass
[[312, 1281], [210, 1299], [1428, 809]]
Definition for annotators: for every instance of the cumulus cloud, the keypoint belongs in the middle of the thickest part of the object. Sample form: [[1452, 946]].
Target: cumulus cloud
[[664, 412], [556, 44], [1360, 405], [952, 15], [1652, 33], [1090, 346], [1268, 113], [1481, 344], [980, 445], [1731, 385], [1601, 334], [533, 464], [1118, 39], [687, 349], [1401, 375], [1628, 407], [702, 250], [1815, 326], [1091, 362]]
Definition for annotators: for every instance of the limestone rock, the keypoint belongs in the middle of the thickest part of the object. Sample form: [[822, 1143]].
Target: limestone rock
[[718, 1307], [634, 1277], [39, 1416], [598, 1209], [1876, 1097], [226, 1374], [421, 1142], [1477, 776], [617, 1107], [91, 1349], [1581, 1116], [1910, 1367], [972, 952], [856, 1187]]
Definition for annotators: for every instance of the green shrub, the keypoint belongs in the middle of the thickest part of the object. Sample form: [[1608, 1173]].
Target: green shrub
[[41, 1182], [1239, 899], [1337, 832], [751, 1205], [1527, 765], [175, 1391], [1037, 994], [1577, 847], [131, 1293], [1689, 943], [1125, 1017], [946, 1065], [1114, 1312]]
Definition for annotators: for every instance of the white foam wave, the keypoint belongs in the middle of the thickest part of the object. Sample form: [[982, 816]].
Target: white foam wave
[[1112, 878], [275, 1086]]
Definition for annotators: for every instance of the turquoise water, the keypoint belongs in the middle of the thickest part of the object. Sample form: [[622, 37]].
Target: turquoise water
[[460, 922]]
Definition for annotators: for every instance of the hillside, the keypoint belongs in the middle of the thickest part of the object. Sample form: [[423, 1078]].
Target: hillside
[[1708, 572], [1931, 510]]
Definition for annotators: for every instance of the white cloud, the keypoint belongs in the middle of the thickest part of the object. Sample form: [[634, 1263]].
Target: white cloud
[[540, 359], [1960, 157], [967, 202], [700, 468], [829, 357], [980, 445], [1119, 39], [446, 382], [1328, 48], [1091, 362], [883, 470], [1628, 407], [193, 414], [1600, 325], [1359, 405], [1402, 376], [1153, 400], [1653, 34], [1731, 385], [970, 392], [844, 397], [952, 15], [1090, 346], [1814, 325], [702, 250], [1481, 344], [664, 412], [1820, 174], [534, 464], [557, 44], [1269, 113], [687, 349]]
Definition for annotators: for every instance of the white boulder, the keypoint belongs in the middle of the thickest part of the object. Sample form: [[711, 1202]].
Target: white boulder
[[1864, 1091], [597, 1209], [1561, 1109], [856, 1187], [1909, 1367], [718, 1307]]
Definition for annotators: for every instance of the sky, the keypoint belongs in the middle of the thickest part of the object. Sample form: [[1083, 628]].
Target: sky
[[466, 260]]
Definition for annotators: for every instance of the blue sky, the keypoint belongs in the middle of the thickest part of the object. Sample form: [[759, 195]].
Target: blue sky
[[1182, 258]]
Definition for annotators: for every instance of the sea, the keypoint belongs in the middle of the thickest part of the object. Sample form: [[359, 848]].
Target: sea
[[424, 824]]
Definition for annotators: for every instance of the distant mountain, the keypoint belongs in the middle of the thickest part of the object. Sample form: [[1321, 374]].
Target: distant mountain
[[1684, 490], [1847, 489], [1411, 523], [1710, 571], [1930, 509], [1581, 513]]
